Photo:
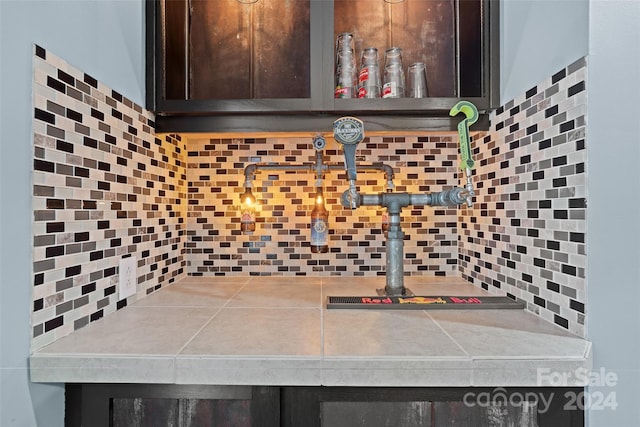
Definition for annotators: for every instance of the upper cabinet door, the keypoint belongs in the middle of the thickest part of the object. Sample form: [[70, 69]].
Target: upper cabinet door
[[217, 56], [243, 50], [246, 60], [424, 31]]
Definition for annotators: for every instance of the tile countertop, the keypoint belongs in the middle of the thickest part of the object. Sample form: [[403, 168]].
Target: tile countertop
[[277, 331]]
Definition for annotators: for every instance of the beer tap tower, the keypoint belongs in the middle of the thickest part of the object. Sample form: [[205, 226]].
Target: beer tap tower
[[349, 132]]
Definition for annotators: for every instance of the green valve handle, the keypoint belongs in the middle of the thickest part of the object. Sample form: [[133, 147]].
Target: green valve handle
[[471, 116]]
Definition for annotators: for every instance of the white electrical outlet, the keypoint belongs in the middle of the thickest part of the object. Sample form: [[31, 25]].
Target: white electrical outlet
[[127, 277]]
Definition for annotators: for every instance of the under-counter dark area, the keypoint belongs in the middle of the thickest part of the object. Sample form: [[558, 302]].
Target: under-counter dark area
[[123, 405]]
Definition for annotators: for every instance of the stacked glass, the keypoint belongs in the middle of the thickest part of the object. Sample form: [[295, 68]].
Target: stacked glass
[[346, 81], [417, 84], [394, 79], [369, 75]]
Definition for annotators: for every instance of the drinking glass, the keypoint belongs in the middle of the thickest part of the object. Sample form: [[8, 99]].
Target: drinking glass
[[345, 76], [393, 55], [417, 80], [369, 76], [394, 79], [346, 82], [344, 41]]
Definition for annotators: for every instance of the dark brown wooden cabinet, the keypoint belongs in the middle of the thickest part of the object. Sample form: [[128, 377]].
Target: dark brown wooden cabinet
[[129, 405], [235, 50], [258, 65]]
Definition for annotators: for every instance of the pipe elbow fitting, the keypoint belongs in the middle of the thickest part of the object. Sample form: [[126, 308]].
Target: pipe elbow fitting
[[388, 170], [250, 170]]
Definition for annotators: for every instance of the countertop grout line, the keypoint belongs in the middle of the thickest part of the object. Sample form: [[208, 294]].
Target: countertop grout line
[[447, 334], [588, 351], [209, 321]]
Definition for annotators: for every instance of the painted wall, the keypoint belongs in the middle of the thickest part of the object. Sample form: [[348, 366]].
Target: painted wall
[[104, 39], [607, 32], [537, 39], [613, 242]]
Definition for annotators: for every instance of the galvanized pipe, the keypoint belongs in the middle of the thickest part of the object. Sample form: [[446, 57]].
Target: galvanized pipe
[[450, 197], [394, 202], [349, 131], [319, 167], [395, 257]]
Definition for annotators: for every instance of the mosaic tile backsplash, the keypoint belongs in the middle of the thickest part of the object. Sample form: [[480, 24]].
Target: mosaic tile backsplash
[[105, 186], [280, 243], [526, 234]]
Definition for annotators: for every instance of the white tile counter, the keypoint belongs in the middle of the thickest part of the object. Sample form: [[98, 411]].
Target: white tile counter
[[277, 331]]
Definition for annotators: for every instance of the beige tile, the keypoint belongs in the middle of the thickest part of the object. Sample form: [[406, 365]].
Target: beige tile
[[190, 293], [232, 370], [354, 280], [351, 286], [565, 372], [508, 334], [246, 331], [260, 332], [272, 295], [135, 330], [100, 369], [220, 280], [284, 280], [382, 333], [451, 285], [396, 372]]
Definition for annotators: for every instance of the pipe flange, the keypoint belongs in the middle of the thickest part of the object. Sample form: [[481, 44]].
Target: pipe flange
[[319, 143]]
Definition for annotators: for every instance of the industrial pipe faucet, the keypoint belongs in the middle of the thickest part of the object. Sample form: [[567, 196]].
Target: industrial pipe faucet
[[349, 131], [319, 167]]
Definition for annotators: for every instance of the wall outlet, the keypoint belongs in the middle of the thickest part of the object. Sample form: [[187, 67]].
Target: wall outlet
[[127, 277]]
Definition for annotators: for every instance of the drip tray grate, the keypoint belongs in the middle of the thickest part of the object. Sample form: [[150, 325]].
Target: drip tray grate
[[424, 302]]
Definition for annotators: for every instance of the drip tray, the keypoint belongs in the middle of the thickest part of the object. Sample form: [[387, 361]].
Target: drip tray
[[414, 302]]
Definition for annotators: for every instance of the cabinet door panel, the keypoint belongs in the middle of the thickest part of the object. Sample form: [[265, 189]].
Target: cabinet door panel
[[213, 413], [144, 412], [249, 51], [423, 29], [232, 65]]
